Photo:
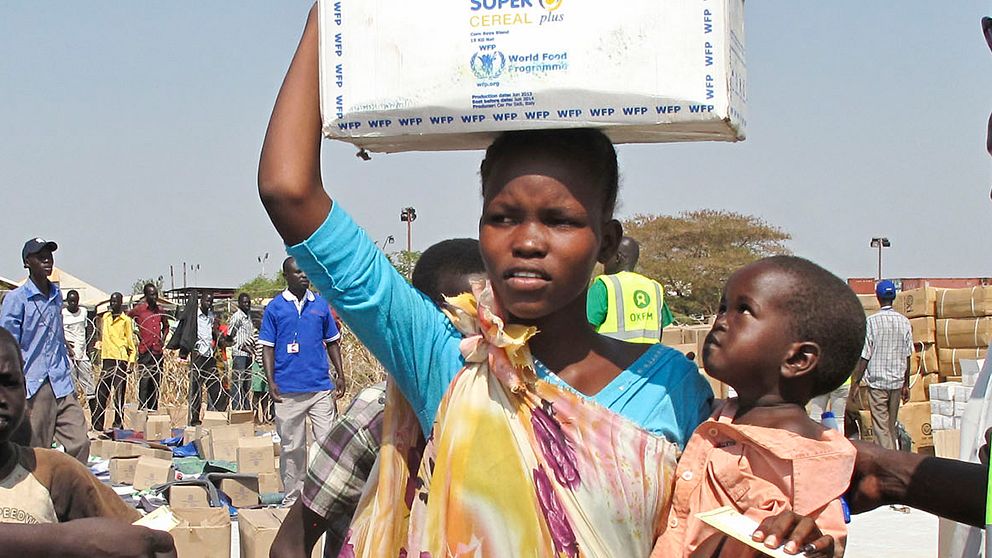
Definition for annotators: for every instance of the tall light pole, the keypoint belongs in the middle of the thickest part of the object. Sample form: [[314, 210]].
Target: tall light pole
[[262, 260], [408, 215], [388, 240], [880, 242]]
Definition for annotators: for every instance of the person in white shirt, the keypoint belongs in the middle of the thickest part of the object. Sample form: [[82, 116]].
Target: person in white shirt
[[74, 322], [884, 365]]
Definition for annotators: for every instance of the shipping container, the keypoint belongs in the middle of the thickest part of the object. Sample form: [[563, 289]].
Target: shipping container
[[866, 285]]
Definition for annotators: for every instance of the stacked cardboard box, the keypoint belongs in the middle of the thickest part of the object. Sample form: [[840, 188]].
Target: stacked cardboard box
[[257, 531], [973, 302], [869, 303], [256, 455], [158, 427], [947, 403], [916, 419], [187, 496], [963, 327], [219, 440], [214, 418], [916, 303], [157, 451], [950, 359], [241, 489], [202, 532], [178, 414], [134, 418], [948, 407], [964, 333], [240, 417], [122, 469], [269, 483], [151, 471], [687, 339]]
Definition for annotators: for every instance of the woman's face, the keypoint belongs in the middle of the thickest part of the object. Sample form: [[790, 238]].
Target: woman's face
[[541, 233]]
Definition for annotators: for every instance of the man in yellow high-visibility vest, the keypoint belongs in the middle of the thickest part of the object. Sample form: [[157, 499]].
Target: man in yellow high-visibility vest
[[627, 305]]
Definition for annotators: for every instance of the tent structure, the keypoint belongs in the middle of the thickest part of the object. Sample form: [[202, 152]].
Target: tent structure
[[89, 296], [7, 284]]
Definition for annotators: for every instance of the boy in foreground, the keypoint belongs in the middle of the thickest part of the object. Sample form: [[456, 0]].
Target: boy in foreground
[[787, 330], [42, 485], [52, 505]]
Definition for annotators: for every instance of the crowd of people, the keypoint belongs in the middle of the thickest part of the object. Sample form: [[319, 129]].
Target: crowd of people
[[510, 426]]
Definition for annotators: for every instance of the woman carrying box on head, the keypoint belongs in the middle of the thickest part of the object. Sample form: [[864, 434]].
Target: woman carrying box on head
[[542, 435]]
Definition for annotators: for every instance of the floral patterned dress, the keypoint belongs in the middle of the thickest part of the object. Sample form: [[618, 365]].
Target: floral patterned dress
[[514, 465]]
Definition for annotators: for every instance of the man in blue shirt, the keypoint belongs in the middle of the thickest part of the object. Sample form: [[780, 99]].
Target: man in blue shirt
[[298, 337], [33, 314]]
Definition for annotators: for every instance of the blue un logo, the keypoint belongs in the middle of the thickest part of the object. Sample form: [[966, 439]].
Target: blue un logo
[[488, 65]]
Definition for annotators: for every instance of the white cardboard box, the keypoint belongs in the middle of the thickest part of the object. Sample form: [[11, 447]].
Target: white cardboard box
[[941, 407], [401, 76], [940, 422], [941, 392], [961, 392], [959, 407]]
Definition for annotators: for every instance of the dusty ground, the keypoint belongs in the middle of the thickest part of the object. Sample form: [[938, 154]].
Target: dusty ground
[[884, 532]]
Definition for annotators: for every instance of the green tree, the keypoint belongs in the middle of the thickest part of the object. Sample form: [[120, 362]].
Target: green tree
[[139, 286], [264, 287], [694, 253], [404, 262]]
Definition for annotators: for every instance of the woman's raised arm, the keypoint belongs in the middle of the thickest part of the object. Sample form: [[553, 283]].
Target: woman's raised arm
[[289, 168]]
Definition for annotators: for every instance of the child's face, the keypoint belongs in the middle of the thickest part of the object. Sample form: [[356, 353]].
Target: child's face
[[40, 263], [753, 334], [13, 396], [541, 232]]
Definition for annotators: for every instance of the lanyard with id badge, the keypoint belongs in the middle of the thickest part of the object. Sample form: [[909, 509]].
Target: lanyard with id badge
[[294, 347]]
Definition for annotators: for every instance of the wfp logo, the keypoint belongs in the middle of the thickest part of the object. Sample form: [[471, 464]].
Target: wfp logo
[[488, 65], [551, 5]]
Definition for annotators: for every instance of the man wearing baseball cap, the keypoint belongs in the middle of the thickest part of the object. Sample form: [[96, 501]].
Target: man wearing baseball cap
[[33, 314], [884, 364]]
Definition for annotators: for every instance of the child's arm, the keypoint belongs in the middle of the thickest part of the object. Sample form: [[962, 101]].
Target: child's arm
[[289, 170]]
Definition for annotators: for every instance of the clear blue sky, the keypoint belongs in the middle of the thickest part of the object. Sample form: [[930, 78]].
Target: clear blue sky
[[131, 132]]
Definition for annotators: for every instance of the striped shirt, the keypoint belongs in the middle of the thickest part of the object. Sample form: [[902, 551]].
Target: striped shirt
[[258, 348], [888, 342], [241, 329]]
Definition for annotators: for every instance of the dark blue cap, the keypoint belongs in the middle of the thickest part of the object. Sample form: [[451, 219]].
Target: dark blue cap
[[36, 245]]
